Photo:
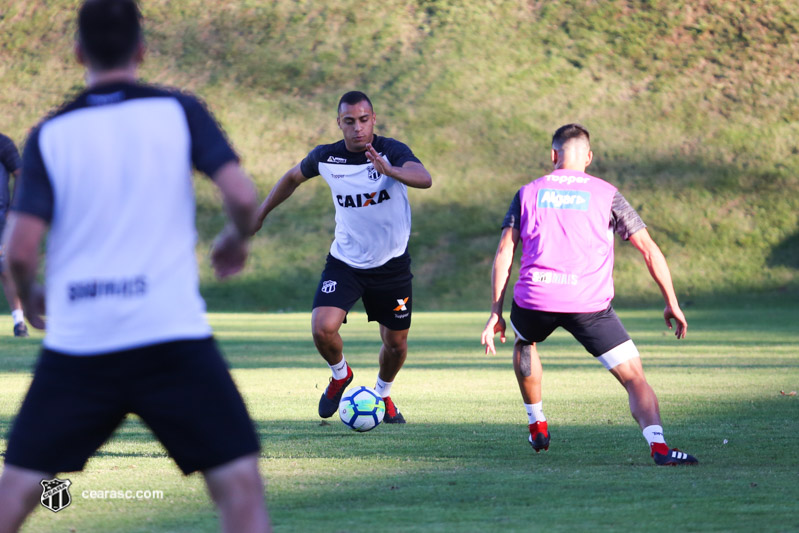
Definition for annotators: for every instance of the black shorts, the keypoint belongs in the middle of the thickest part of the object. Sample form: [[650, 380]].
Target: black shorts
[[182, 390], [386, 290], [598, 332]]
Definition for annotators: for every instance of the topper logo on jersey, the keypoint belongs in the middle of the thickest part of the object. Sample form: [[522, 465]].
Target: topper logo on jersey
[[362, 200], [334, 159], [556, 199], [568, 180], [372, 173]]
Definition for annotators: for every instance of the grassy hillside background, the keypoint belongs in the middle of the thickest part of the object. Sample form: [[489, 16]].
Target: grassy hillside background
[[693, 109]]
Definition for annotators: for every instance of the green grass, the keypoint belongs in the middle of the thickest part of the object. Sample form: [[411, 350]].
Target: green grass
[[693, 109], [462, 462]]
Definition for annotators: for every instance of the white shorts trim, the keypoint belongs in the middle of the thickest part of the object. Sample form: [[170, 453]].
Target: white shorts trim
[[519, 336], [621, 353]]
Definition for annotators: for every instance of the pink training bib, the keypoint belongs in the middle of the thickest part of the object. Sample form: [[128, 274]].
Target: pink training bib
[[567, 243]]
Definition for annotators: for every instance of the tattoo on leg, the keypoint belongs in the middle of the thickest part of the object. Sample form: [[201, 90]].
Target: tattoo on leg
[[525, 356]]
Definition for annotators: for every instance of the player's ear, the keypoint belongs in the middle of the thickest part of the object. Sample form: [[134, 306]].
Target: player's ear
[[554, 156], [80, 57], [138, 55], [589, 158]]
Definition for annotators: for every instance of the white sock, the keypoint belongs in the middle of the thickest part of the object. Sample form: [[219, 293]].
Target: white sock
[[17, 315], [339, 369], [654, 434], [383, 388], [535, 412]]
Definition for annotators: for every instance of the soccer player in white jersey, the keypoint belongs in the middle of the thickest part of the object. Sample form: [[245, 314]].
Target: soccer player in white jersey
[[368, 176], [110, 174], [9, 166], [565, 222]]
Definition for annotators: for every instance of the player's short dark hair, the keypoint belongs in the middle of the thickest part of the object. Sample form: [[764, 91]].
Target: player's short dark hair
[[352, 98], [569, 132], [109, 32]]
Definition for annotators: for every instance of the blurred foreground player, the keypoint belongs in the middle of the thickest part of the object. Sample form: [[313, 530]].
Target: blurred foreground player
[[110, 173], [565, 221]]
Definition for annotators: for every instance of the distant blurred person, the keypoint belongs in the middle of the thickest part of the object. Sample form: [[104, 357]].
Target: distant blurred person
[[368, 176], [110, 173], [9, 166], [565, 221]]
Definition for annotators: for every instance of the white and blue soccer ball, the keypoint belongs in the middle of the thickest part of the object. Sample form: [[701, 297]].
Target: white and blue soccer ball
[[361, 409]]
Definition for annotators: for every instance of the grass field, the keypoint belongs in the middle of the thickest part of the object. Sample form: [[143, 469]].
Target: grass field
[[462, 462]]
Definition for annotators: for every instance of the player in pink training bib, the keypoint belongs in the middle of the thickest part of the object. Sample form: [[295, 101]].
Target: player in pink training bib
[[566, 221]]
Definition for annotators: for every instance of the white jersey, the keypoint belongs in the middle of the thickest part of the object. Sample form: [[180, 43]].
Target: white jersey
[[373, 215], [112, 174]]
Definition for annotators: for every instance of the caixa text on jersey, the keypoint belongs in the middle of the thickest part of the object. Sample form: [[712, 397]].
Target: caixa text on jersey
[[363, 199]]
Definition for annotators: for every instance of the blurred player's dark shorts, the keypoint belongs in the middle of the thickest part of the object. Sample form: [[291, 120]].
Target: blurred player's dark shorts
[[598, 332], [386, 290], [182, 390]]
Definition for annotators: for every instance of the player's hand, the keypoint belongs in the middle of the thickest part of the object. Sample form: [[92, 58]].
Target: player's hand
[[676, 314], [229, 252], [495, 324], [379, 162], [34, 308]]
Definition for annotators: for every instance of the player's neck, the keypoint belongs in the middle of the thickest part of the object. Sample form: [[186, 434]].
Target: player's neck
[[356, 150], [570, 165], [95, 78]]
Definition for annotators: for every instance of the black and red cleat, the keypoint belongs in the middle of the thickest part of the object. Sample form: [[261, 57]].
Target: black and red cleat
[[674, 457], [328, 403], [539, 436], [393, 416]]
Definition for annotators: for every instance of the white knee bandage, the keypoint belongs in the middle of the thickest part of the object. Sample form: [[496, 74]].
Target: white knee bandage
[[621, 353]]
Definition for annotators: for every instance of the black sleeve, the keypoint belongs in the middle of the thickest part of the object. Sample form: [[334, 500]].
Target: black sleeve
[[514, 215], [310, 165], [210, 149], [623, 218], [34, 191], [398, 153], [9, 156]]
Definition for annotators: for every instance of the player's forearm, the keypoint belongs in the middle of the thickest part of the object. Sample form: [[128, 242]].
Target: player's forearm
[[499, 284], [413, 175], [659, 270], [501, 271], [239, 196], [284, 188], [656, 263], [241, 215]]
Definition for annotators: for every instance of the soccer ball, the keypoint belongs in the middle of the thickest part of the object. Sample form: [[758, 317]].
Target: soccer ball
[[362, 409]]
